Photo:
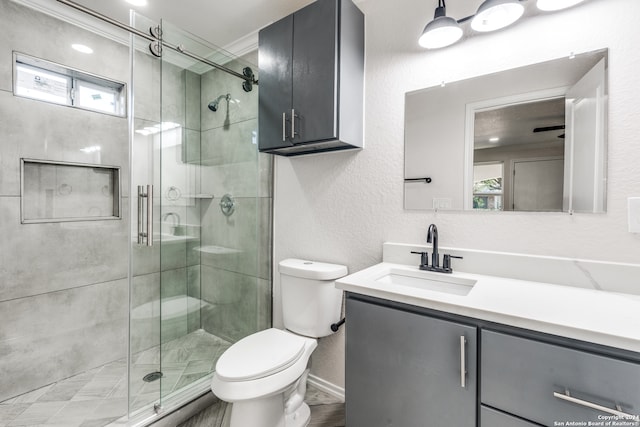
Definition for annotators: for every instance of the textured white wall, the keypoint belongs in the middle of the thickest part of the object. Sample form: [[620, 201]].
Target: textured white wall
[[341, 207]]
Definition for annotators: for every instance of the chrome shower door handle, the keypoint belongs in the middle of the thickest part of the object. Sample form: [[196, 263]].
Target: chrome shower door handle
[[141, 196], [149, 215], [463, 362], [145, 234]]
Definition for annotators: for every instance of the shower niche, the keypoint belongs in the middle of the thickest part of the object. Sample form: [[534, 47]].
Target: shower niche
[[63, 191]]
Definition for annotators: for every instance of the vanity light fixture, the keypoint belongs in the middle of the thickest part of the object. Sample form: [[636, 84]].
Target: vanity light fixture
[[442, 31], [493, 15], [550, 5]]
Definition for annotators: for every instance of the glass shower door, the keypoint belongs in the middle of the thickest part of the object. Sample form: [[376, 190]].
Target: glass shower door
[[146, 244], [202, 280]]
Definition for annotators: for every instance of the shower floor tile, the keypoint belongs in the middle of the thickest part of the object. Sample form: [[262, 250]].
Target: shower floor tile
[[98, 397]]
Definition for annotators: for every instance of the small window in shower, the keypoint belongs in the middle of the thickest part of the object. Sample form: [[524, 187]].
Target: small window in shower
[[46, 81], [60, 191]]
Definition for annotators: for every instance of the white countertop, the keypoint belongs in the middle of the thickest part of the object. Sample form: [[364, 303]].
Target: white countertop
[[602, 317]]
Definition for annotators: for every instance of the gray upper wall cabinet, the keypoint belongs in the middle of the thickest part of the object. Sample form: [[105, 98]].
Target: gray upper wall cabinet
[[312, 80]]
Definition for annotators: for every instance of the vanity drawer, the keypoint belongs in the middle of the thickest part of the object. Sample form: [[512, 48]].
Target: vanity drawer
[[520, 376], [491, 418]]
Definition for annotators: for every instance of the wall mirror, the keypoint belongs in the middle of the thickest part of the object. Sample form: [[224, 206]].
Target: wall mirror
[[527, 139]]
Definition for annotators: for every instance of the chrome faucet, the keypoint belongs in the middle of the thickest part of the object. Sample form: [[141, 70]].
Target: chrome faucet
[[432, 236]]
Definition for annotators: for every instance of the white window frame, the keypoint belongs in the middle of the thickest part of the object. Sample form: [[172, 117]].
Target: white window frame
[[75, 79]]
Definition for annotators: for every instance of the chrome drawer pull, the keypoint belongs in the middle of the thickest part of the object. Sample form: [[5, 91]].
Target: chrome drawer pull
[[566, 396], [463, 362]]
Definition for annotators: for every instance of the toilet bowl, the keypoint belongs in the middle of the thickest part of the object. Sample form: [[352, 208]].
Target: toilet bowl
[[264, 374]]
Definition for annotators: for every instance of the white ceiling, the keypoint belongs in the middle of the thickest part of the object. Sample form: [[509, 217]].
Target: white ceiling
[[223, 23], [219, 22]]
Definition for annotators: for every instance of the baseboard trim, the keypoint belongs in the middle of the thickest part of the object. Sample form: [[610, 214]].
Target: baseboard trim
[[326, 386]]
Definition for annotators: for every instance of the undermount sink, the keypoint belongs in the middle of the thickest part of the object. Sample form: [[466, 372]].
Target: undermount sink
[[439, 282]]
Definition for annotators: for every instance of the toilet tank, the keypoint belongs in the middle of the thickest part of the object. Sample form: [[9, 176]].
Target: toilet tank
[[310, 300]]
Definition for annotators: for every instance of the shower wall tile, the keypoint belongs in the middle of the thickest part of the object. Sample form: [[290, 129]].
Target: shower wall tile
[[44, 131], [193, 88], [193, 291], [174, 82], [33, 33], [192, 146], [238, 179], [230, 145], [40, 258], [171, 255], [233, 303], [174, 283], [38, 346], [145, 312], [230, 242], [146, 87]]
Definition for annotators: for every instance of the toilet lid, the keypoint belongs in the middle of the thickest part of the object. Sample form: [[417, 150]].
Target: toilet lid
[[259, 355]]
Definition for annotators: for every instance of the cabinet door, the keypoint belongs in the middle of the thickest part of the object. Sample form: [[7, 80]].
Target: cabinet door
[[530, 379], [274, 97], [491, 418], [403, 369], [315, 56]]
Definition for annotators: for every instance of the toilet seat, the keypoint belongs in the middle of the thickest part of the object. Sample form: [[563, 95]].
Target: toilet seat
[[260, 355]]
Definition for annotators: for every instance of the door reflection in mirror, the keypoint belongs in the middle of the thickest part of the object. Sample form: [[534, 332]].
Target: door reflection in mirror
[[545, 123]]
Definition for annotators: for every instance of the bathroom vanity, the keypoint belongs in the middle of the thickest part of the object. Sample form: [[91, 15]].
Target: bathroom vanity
[[492, 347]]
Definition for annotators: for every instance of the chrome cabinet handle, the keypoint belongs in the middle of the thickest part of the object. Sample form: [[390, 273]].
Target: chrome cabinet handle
[[149, 215], [463, 362], [618, 411], [293, 123], [284, 127]]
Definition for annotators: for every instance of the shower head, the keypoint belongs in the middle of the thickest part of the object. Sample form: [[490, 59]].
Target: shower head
[[213, 105]]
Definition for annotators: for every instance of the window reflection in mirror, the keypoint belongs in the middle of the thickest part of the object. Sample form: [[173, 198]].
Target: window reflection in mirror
[[528, 138], [545, 123], [488, 185]]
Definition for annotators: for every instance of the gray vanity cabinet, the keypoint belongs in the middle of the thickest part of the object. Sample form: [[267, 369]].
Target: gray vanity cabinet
[[311, 74], [407, 370], [491, 418], [551, 384]]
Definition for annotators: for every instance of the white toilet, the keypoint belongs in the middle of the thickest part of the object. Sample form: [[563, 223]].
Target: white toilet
[[264, 375]]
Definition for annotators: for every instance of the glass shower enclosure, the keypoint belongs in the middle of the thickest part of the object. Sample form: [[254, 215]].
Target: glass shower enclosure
[[136, 241], [199, 277]]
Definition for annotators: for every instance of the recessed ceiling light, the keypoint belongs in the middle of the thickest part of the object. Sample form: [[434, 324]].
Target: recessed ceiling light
[[548, 5], [82, 48], [137, 2], [494, 139]]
